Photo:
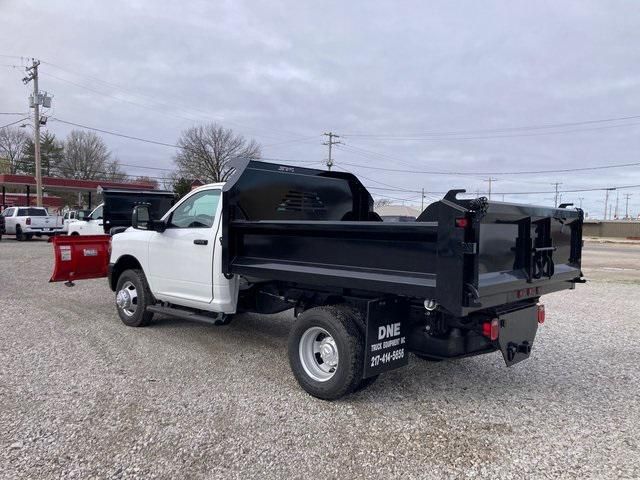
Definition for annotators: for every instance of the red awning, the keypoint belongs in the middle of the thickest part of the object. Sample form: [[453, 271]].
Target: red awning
[[71, 184]]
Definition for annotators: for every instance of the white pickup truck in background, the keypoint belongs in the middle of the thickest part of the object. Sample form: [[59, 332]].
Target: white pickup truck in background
[[25, 222], [92, 224], [72, 216]]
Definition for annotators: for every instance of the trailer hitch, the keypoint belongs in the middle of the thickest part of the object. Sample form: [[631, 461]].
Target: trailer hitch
[[513, 348]]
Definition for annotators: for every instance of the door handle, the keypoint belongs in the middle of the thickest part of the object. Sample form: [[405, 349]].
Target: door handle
[[200, 242]]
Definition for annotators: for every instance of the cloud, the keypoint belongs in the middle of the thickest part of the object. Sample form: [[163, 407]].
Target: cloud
[[281, 71]]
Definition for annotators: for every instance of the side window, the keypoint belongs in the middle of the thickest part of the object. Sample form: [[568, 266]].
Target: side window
[[8, 212], [23, 212], [199, 211], [97, 213]]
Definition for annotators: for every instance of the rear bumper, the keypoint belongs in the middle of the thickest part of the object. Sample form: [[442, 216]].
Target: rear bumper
[[517, 333], [42, 231]]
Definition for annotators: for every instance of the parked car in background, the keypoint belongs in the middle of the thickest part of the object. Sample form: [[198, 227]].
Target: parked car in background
[[25, 222]]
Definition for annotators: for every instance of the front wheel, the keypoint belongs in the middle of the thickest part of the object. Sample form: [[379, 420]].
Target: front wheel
[[132, 298], [326, 351]]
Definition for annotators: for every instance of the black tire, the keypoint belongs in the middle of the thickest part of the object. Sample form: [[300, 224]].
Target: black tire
[[342, 325], [74, 233], [19, 235], [139, 317]]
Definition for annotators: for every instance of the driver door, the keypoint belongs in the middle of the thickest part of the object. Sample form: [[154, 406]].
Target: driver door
[[181, 257]]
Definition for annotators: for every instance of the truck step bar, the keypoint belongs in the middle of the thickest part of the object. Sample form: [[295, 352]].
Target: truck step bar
[[215, 319]]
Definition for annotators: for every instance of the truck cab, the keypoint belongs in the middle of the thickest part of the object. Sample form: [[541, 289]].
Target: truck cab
[[91, 224], [72, 216]]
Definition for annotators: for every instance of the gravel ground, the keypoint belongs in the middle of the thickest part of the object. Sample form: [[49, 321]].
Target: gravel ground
[[83, 396]]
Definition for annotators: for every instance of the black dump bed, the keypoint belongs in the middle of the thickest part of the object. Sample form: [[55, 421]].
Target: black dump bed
[[318, 228], [119, 203]]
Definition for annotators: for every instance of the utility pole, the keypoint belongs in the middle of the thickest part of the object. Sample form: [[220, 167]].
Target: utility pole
[[35, 104], [330, 143], [626, 207], [615, 213], [556, 185], [490, 180], [580, 199], [422, 201], [607, 208]]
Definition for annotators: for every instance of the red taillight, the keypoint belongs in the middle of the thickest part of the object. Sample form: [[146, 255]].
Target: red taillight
[[28, 221], [541, 314], [462, 222], [491, 329]]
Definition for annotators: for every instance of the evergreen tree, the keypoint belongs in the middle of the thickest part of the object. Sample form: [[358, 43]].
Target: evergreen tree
[[51, 154]]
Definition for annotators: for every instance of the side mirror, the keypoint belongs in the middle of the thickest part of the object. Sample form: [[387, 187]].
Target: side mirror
[[141, 220]]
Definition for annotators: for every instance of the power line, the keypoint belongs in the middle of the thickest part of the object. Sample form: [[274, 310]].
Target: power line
[[497, 130], [459, 173], [115, 134], [13, 123], [201, 114]]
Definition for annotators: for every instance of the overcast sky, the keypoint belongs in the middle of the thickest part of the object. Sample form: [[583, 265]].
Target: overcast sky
[[285, 72]]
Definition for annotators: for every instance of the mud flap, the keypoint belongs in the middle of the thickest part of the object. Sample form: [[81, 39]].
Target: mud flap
[[517, 333], [386, 339]]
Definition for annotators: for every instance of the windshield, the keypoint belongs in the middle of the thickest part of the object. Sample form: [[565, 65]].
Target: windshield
[[97, 213]]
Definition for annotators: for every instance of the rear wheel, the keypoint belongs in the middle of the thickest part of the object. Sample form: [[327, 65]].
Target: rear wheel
[[326, 352], [132, 298], [19, 235]]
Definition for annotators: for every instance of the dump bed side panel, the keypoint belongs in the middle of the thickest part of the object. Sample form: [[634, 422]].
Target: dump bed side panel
[[316, 227]]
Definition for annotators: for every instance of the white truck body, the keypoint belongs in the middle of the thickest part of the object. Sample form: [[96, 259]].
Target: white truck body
[[28, 221], [92, 226]]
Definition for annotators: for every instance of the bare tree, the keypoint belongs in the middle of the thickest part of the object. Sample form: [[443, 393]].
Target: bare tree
[[12, 149], [207, 150], [113, 172], [86, 157]]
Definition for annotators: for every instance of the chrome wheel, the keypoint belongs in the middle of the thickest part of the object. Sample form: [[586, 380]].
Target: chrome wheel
[[318, 354], [127, 299]]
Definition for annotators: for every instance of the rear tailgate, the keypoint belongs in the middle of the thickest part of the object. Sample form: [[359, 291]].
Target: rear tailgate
[[525, 251], [46, 224]]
